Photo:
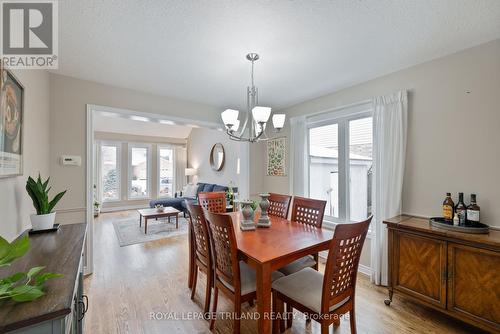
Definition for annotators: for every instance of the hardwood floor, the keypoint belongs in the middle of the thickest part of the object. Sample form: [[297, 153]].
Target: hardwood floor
[[130, 284]]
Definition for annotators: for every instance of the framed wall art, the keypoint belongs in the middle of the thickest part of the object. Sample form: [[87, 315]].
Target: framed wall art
[[276, 157], [11, 124]]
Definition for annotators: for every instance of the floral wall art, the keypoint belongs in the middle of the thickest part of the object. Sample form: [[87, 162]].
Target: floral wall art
[[276, 160]]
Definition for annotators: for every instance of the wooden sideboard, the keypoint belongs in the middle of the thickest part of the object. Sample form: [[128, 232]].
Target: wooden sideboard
[[455, 273], [62, 309]]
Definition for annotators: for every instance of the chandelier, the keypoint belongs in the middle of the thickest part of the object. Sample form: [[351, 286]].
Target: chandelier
[[256, 117]]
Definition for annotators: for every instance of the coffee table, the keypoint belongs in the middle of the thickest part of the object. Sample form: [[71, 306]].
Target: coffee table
[[154, 213]]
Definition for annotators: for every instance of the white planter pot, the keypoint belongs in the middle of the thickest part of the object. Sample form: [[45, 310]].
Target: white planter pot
[[43, 222]]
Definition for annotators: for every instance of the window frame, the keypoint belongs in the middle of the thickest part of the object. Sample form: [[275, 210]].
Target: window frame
[[342, 118], [118, 146], [158, 162], [131, 146]]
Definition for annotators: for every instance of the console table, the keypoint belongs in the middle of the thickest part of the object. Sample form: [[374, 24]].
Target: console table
[[62, 308], [453, 272]]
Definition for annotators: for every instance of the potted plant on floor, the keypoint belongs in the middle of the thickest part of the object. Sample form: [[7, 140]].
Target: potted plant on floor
[[97, 208], [39, 193]]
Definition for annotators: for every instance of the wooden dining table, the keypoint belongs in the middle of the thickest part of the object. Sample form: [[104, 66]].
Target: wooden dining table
[[268, 249]]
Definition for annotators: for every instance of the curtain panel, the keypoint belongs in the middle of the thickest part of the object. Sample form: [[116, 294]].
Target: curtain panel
[[180, 160], [389, 151], [298, 156]]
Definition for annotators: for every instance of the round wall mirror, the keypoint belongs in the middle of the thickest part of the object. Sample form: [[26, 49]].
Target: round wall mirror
[[217, 157]]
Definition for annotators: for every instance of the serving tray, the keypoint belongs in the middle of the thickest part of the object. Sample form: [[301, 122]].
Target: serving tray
[[477, 228], [53, 229]]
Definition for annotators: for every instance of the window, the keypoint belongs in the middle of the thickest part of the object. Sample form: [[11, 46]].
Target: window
[[165, 171], [139, 171], [110, 172], [324, 166], [360, 168], [340, 165]]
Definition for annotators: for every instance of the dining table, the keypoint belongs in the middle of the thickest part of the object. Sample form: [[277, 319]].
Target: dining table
[[269, 249]]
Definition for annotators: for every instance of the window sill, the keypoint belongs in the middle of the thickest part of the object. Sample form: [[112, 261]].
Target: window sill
[[139, 198], [111, 201]]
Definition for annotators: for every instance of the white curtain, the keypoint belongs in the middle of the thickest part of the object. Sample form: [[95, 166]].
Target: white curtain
[[298, 156], [389, 125], [180, 160]]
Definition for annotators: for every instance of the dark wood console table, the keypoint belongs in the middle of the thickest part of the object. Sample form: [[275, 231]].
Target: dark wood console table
[[453, 272], [62, 308]]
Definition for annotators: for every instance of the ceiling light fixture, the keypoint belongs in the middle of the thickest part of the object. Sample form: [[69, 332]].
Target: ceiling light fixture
[[256, 116]]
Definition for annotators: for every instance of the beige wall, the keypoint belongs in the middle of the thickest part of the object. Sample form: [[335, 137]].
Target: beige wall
[[15, 205], [453, 130], [125, 139], [68, 100], [453, 123], [200, 143]]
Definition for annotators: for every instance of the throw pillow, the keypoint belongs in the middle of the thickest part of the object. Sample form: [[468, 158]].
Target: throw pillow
[[220, 188], [208, 188]]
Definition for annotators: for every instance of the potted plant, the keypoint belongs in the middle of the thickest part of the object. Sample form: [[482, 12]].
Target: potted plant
[[97, 209], [21, 286], [39, 193]]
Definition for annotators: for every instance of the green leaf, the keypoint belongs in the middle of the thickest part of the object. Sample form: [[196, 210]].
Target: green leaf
[[40, 279], [56, 199], [4, 247], [26, 293], [16, 249], [14, 278], [4, 288], [45, 184], [34, 271], [35, 194]]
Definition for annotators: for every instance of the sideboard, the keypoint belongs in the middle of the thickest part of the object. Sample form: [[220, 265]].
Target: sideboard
[[62, 309], [453, 272]]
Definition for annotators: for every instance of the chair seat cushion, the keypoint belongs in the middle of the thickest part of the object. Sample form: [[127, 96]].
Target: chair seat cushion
[[303, 262], [305, 287], [248, 279]]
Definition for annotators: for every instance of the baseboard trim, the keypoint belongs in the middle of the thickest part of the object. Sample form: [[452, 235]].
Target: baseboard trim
[[68, 210], [365, 270], [124, 208]]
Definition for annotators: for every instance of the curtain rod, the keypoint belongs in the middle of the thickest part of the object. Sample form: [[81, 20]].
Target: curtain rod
[[355, 104]]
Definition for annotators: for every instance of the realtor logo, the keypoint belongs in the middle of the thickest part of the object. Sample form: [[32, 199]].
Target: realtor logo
[[29, 34]]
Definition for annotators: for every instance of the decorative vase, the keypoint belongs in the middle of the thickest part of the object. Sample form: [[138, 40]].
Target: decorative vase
[[264, 206], [43, 222], [247, 223]]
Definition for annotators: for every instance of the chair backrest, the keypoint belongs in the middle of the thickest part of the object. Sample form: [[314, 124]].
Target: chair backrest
[[199, 228], [279, 205], [342, 264], [224, 249], [308, 211], [214, 202]]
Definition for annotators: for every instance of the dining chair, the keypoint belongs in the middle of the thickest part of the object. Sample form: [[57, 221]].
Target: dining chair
[[325, 297], [309, 212], [201, 251], [233, 277], [213, 201], [279, 205]]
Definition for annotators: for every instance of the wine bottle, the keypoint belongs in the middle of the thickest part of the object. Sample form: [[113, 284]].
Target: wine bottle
[[473, 210], [461, 209], [448, 207]]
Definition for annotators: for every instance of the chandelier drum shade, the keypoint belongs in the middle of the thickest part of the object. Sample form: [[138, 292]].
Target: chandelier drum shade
[[256, 116]]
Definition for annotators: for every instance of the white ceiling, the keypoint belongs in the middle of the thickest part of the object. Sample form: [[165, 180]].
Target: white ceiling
[[195, 50], [139, 126]]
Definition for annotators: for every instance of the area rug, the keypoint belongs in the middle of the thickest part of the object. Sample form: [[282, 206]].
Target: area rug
[[129, 232]]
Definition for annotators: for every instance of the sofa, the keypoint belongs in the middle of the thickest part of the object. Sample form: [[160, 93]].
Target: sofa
[[179, 202]]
